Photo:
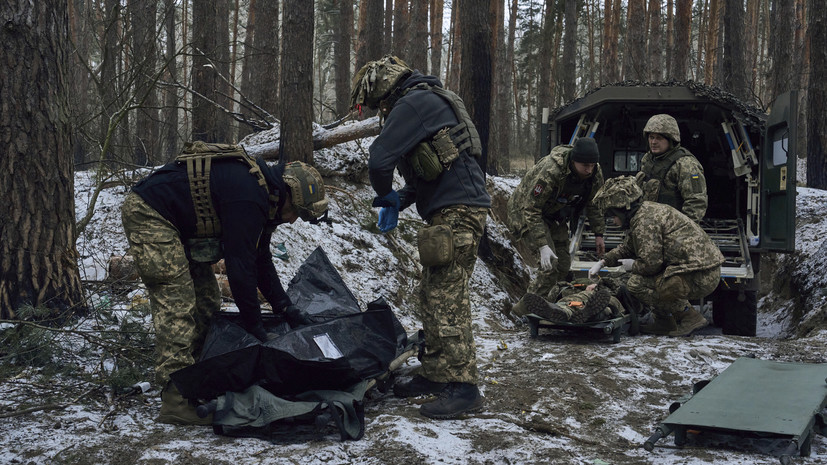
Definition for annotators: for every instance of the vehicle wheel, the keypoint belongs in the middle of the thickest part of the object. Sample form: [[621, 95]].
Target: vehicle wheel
[[735, 312]]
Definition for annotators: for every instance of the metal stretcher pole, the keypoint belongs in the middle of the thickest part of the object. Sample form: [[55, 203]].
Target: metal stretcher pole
[[660, 432]]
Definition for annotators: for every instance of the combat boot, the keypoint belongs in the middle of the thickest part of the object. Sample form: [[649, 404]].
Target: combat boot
[[176, 410], [688, 320], [534, 304], [596, 304], [455, 400], [417, 386], [661, 325]]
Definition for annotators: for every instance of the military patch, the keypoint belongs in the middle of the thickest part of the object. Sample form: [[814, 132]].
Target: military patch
[[538, 189], [311, 188], [695, 176]]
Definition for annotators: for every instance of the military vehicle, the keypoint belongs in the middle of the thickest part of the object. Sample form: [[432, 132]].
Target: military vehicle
[[749, 161]]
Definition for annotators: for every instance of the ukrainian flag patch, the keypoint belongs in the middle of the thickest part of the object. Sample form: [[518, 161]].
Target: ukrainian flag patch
[[311, 188], [695, 176]]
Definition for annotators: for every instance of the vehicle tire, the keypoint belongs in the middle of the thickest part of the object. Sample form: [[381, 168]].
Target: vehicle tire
[[735, 312]]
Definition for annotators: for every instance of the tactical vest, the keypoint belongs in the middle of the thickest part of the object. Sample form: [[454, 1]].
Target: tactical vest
[[657, 171], [430, 157], [198, 157]]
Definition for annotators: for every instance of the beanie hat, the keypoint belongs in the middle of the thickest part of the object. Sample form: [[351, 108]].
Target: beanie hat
[[585, 151]]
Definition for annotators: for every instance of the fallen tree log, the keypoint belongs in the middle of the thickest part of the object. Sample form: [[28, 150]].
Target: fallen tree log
[[321, 139]]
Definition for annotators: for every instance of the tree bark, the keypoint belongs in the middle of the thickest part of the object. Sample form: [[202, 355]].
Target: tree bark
[[171, 100], [655, 54], [369, 37], [569, 51], [436, 7], [682, 48], [712, 42], [417, 56], [780, 78], [400, 29], [454, 47], [147, 131], [342, 56], [210, 39], [475, 76], [817, 100], [634, 63], [38, 259], [734, 65], [498, 135], [296, 84]]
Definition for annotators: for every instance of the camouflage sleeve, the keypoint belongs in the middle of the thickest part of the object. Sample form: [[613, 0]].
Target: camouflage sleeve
[[542, 185], [692, 185], [647, 235], [624, 250], [595, 215]]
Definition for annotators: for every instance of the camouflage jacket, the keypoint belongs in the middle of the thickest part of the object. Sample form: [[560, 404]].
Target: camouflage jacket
[[663, 240], [683, 185], [535, 200]]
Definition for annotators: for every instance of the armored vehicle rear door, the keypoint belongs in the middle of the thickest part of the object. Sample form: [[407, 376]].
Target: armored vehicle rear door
[[778, 175]]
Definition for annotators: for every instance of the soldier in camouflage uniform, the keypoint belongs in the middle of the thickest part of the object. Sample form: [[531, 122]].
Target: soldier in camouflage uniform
[[578, 301], [160, 220], [551, 195], [670, 173], [674, 259], [429, 136]]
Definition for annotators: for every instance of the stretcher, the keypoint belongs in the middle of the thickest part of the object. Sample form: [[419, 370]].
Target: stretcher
[[753, 398], [613, 327]]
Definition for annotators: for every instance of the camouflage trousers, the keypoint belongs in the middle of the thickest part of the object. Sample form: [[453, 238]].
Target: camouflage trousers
[[450, 354], [557, 237], [183, 294], [671, 294]]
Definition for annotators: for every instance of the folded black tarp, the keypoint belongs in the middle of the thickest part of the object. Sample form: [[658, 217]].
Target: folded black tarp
[[345, 346]]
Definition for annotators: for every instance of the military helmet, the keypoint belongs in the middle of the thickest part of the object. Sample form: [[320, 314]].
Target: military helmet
[[377, 79], [618, 192], [663, 124], [307, 190]]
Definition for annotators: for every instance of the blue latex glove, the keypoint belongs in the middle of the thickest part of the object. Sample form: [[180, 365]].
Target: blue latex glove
[[389, 213]]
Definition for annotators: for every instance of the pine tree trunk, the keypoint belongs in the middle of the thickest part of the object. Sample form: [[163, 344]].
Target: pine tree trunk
[[436, 7], [569, 51], [712, 42], [817, 100], [147, 132], [655, 53], [342, 56], [400, 29], [171, 100], [634, 63], [682, 46], [38, 259], [475, 77], [369, 37], [418, 41], [734, 66], [296, 83], [211, 54], [782, 18]]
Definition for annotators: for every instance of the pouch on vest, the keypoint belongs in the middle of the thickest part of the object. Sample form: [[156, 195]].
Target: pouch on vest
[[436, 245], [204, 249]]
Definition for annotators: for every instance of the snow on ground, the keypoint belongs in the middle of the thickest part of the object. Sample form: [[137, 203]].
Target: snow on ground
[[555, 399]]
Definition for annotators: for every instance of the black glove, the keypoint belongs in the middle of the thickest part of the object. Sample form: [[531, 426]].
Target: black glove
[[296, 318]]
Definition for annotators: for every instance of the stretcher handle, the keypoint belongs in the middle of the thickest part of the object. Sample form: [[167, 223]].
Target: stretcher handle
[[660, 432], [792, 449]]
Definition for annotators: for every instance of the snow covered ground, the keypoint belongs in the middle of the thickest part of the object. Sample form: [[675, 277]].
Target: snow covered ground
[[556, 399]]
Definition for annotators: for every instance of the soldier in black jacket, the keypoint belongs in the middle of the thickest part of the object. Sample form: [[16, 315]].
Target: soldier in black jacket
[[213, 201], [430, 138]]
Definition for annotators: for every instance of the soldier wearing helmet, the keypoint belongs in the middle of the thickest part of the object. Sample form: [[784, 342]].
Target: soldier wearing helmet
[[674, 259], [671, 174], [550, 196], [182, 218], [430, 138]]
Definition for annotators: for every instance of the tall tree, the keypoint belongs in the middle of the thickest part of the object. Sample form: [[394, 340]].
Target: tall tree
[[344, 32], [570, 67], [611, 38], [545, 78], [436, 10], [211, 70], [475, 76], [454, 47], [634, 60], [670, 38], [680, 57], [780, 79], [734, 65], [171, 101], [712, 42], [417, 55], [110, 97], [261, 61], [147, 128], [38, 259], [401, 28], [655, 54], [369, 37], [500, 117], [817, 100], [296, 83]]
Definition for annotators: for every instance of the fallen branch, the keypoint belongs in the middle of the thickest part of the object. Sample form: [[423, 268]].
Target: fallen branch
[[321, 139]]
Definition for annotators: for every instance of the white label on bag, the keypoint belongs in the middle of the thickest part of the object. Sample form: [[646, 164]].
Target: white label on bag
[[327, 346]]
